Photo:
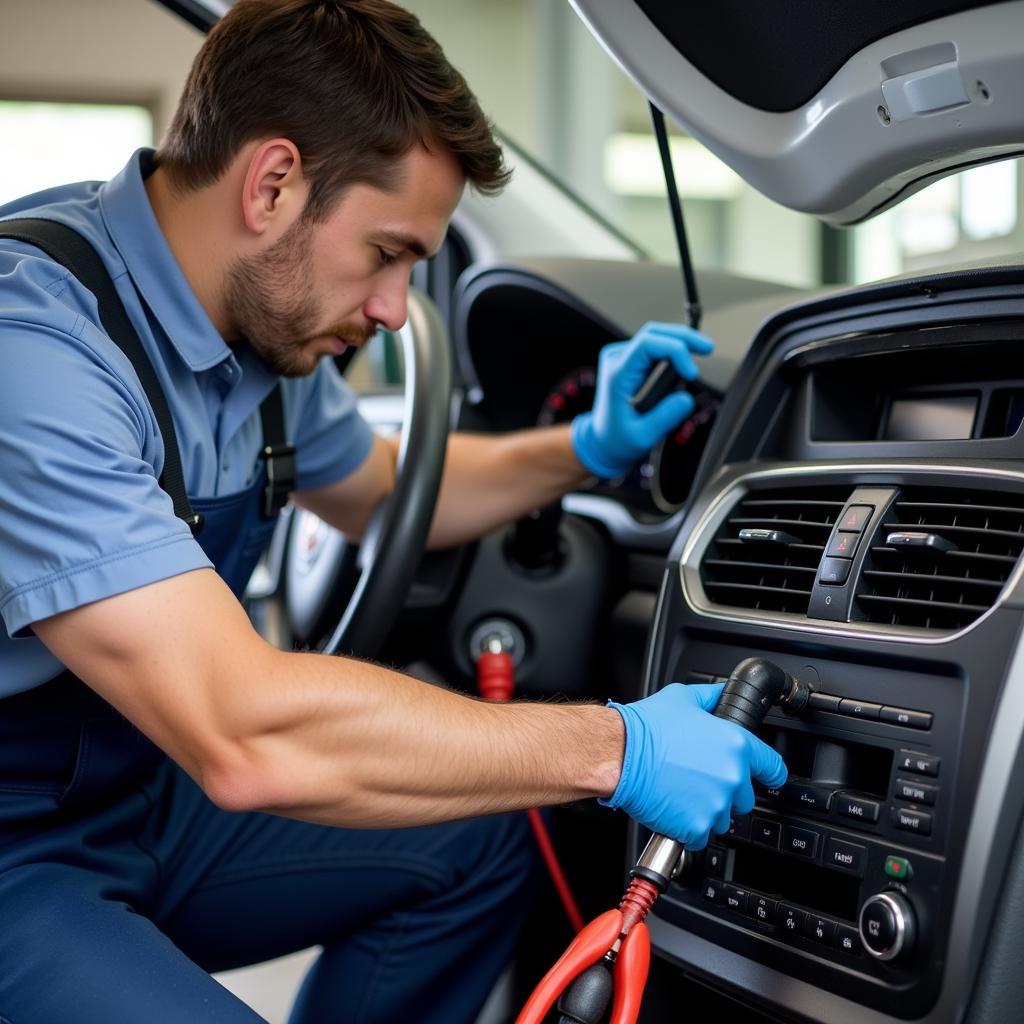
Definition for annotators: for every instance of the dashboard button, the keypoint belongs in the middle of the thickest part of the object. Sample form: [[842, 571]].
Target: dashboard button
[[887, 926], [855, 517], [765, 833], [801, 842], [912, 821], [842, 545], [848, 857], [739, 828], [790, 919], [823, 702], [916, 792], [848, 940], [711, 890], [821, 929], [762, 909], [898, 867], [919, 764], [807, 795], [714, 861], [858, 808], [860, 709], [906, 717], [735, 898], [834, 572]]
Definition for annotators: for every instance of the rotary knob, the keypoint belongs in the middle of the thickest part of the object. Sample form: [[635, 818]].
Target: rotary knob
[[887, 926]]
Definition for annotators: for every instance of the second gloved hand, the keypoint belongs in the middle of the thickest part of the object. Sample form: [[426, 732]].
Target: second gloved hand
[[613, 436], [685, 772]]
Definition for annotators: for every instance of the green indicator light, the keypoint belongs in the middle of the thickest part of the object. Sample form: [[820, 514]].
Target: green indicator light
[[897, 867]]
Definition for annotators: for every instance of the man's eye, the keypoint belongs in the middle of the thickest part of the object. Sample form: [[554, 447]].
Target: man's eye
[[386, 258]]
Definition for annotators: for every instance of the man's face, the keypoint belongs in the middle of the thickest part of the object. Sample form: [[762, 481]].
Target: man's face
[[322, 287]]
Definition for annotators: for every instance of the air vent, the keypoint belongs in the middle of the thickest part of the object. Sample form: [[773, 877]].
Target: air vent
[[765, 555], [941, 557]]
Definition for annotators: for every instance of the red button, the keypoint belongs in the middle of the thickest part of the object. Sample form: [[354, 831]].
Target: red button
[[843, 545], [855, 517]]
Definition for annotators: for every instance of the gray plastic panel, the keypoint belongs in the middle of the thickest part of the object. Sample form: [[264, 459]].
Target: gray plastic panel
[[844, 155]]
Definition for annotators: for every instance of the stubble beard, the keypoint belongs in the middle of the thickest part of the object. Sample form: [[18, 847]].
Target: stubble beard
[[270, 302]]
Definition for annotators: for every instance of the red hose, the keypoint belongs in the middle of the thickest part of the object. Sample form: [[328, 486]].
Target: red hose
[[561, 884], [495, 677]]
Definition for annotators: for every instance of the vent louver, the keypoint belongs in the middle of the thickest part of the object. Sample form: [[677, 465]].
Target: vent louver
[[941, 557], [766, 554]]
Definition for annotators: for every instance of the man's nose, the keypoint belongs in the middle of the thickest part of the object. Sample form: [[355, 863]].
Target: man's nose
[[389, 305]]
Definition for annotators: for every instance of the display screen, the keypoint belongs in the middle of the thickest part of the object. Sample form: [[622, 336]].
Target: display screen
[[935, 418]]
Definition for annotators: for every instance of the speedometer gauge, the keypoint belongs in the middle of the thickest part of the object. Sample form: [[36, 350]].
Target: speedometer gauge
[[676, 458], [573, 394]]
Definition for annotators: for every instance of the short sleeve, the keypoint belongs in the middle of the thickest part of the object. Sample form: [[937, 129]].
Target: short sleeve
[[332, 438], [82, 515]]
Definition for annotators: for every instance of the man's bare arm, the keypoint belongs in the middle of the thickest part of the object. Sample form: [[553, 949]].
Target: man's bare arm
[[321, 738], [488, 481]]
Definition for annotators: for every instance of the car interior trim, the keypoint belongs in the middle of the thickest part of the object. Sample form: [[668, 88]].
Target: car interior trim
[[723, 502], [624, 528]]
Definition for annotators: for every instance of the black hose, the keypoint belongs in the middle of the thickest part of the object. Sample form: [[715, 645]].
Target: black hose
[[586, 999]]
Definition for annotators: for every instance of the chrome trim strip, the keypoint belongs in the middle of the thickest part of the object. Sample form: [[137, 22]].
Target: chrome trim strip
[[721, 504]]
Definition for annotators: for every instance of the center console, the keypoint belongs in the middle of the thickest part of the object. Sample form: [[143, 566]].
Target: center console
[[860, 523], [838, 875]]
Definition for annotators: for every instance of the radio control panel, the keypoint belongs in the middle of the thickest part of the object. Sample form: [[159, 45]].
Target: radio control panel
[[839, 876]]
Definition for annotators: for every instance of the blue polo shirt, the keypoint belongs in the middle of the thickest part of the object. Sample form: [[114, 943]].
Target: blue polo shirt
[[82, 515]]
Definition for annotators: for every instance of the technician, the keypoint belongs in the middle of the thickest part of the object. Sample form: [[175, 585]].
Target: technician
[[177, 796]]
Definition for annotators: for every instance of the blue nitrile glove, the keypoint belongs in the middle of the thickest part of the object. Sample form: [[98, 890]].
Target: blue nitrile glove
[[611, 438], [685, 772]]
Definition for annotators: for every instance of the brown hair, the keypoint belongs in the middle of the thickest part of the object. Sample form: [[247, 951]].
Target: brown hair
[[355, 84]]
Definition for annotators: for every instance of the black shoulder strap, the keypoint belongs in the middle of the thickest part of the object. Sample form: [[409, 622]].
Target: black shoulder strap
[[278, 453], [70, 249]]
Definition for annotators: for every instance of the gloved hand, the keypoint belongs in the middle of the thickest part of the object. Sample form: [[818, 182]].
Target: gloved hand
[[684, 771], [612, 437]]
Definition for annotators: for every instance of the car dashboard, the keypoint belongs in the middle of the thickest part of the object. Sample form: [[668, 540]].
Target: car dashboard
[[858, 518], [850, 505]]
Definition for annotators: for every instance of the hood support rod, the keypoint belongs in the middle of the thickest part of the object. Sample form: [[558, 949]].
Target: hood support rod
[[693, 308]]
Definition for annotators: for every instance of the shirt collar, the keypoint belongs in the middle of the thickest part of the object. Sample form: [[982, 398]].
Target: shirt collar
[[134, 228]]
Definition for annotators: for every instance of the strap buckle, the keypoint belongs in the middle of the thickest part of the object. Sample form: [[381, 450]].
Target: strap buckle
[[280, 459]]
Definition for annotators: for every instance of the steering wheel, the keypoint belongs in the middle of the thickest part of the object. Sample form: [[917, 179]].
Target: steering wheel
[[362, 587]]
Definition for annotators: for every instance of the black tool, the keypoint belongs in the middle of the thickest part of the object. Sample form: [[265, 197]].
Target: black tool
[[750, 691], [663, 379]]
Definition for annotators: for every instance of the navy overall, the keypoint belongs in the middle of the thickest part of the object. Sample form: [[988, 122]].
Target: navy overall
[[122, 885]]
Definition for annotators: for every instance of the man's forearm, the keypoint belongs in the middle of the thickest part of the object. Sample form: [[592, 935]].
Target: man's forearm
[[317, 737], [492, 480], [349, 743]]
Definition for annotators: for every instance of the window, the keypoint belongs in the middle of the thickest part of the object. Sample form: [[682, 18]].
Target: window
[[972, 214], [51, 143]]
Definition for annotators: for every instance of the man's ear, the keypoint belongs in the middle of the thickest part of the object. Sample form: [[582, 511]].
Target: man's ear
[[275, 191]]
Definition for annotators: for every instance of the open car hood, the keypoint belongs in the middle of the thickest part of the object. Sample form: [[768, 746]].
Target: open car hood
[[838, 108]]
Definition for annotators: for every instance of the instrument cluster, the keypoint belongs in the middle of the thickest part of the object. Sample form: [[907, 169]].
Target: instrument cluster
[[659, 484]]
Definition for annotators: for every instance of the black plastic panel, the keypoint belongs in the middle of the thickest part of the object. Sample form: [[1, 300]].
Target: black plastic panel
[[939, 328], [958, 684]]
